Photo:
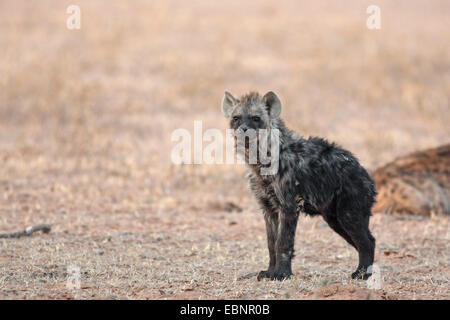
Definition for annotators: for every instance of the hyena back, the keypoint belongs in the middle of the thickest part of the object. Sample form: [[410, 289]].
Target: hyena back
[[314, 176]]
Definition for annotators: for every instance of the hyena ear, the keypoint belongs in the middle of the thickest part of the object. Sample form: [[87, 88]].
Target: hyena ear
[[273, 104], [228, 102]]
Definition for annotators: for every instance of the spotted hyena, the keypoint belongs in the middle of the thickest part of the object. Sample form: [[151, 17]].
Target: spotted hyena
[[417, 183], [314, 177]]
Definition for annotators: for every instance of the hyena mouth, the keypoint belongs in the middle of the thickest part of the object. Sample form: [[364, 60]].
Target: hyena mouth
[[248, 133], [246, 142]]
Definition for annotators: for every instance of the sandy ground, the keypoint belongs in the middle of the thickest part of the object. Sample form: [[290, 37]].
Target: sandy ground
[[86, 118]]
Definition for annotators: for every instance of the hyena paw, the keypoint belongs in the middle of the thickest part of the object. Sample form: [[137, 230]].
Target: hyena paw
[[263, 274], [280, 275], [361, 274]]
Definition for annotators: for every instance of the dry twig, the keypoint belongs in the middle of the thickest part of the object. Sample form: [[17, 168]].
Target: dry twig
[[28, 231]]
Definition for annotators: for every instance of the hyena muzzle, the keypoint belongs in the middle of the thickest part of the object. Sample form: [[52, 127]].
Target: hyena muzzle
[[313, 176]]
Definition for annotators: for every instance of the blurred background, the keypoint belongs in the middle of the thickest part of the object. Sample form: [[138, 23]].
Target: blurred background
[[86, 118]]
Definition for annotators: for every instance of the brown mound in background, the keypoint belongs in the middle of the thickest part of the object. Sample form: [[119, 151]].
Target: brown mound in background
[[418, 183]]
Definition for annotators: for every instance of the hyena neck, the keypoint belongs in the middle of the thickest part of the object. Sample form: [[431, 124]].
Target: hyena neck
[[285, 138], [285, 133]]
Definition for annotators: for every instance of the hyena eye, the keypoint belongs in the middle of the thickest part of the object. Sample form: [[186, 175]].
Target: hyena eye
[[236, 118], [256, 118]]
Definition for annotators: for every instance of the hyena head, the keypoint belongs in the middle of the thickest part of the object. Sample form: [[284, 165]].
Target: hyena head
[[251, 111], [252, 117]]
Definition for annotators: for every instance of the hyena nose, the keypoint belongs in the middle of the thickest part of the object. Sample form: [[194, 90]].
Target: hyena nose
[[243, 127]]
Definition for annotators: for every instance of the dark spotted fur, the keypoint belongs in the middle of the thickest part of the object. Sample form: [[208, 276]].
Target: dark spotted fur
[[314, 176]]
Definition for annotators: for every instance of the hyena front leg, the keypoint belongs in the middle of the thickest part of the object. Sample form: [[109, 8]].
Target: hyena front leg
[[287, 224], [271, 219], [284, 246]]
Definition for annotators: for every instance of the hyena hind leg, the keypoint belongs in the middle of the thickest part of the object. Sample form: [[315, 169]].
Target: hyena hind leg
[[357, 227], [334, 224]]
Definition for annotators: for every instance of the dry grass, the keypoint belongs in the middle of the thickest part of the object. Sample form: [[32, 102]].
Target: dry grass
[[85, 124]]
